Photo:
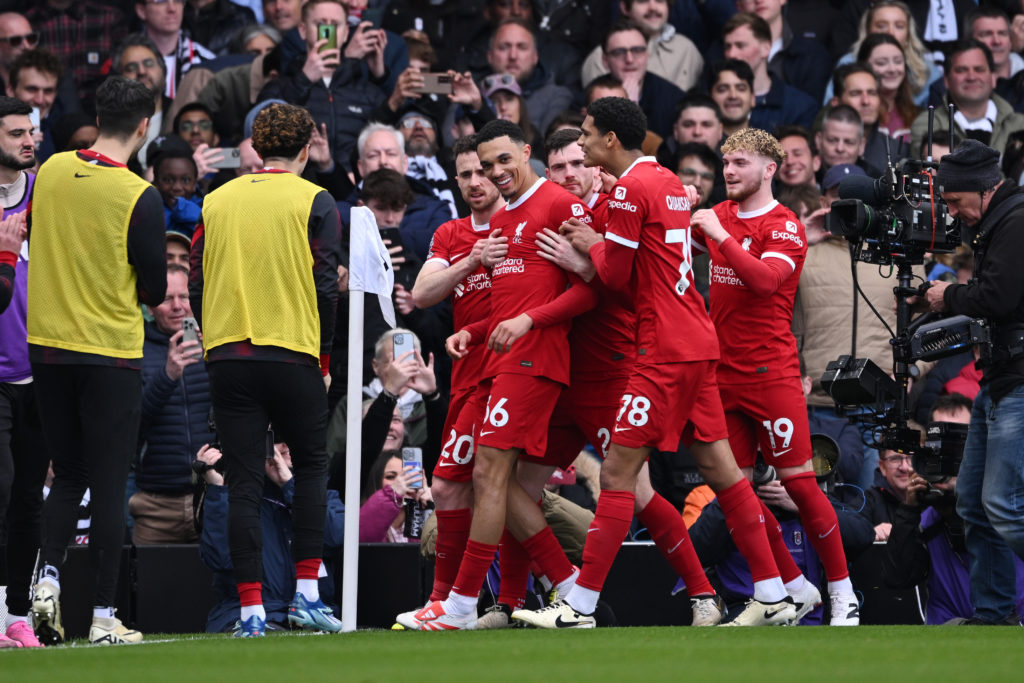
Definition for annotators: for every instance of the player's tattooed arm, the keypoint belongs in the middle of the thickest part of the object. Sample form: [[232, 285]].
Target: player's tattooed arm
[[559, 251]]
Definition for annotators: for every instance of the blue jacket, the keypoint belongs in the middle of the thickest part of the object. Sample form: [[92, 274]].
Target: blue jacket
[[278, 566], [175, 418], [783, 104]]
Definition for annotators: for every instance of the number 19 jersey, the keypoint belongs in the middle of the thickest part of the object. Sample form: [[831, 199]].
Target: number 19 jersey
[[648, 211]]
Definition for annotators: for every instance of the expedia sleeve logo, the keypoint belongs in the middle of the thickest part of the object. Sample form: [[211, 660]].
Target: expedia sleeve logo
[[791, 226], [620, 192], [577, 210]]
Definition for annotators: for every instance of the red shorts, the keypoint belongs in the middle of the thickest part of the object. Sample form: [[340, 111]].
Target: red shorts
[[666, 402], [771, 415], [465, 412], [585, 413], [518, 413]]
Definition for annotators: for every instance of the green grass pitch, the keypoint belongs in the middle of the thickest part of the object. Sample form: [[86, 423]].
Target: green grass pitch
[[872, 654]]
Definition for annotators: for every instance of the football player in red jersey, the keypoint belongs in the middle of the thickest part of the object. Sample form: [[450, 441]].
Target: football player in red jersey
[[757, 249], [671, 392], [453, 270], [603, 351], [528, 369]]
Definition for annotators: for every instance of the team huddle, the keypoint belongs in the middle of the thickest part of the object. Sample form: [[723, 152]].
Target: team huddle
[[578, 321]]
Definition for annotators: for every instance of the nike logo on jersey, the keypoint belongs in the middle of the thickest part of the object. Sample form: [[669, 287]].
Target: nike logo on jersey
[[455, 256], [824, 535], [782, 452], [675, 547], [596, 528], [565, 624], [82, 175]]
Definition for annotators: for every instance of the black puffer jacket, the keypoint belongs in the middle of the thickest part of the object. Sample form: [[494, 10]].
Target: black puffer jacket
[[174, 419], [346, 107]]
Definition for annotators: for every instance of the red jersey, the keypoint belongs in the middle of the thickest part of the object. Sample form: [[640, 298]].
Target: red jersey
[[603, 340], [452, 242], [525, 280], [753, 285], [648, 212]]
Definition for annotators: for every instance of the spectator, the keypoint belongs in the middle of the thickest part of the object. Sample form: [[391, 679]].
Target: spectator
[[513, 50], [624, 54], [16, 36], [215, 22], [895, 18], [696, 164], [284, 15], [91, 412], [981, 114], [841, 139], [800, 62], [858, 86], [412, 396], [84, 34], [73, 131], [23, 455], [33, 79], [699, 120], [506, 98], [174, 424], [175, 177], [161, 23], [420, 133], [671, 55], [732, 88], [382, 146], [835, 175], [802, 160], [747, 37], [178, 246], [255, 40], [382, 515], [278, 533], [804, 200], [331, 86], [138, 58], [885, 56], [194, 124]]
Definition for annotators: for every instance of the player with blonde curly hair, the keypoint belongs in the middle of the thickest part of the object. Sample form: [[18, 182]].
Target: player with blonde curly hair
[[757, 249]]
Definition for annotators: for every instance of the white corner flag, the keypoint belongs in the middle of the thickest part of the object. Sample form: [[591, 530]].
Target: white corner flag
[[370, 270]]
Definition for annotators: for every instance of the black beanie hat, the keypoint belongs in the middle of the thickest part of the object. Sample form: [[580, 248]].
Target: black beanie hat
[[972, 167]]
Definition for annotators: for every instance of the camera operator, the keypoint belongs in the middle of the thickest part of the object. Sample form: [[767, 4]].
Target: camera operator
[[992, 209], [926, 539]]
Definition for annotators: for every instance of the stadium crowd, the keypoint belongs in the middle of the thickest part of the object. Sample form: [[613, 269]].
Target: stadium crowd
[[516, 156]]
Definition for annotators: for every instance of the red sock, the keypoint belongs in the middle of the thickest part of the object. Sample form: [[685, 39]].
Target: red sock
[[665, 525], [514, 563], [473, 569], [743, 516], [780, 551], [605, 536], [819, 520], [250, 593], [452, 534], [308, 569], [547, 552]]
